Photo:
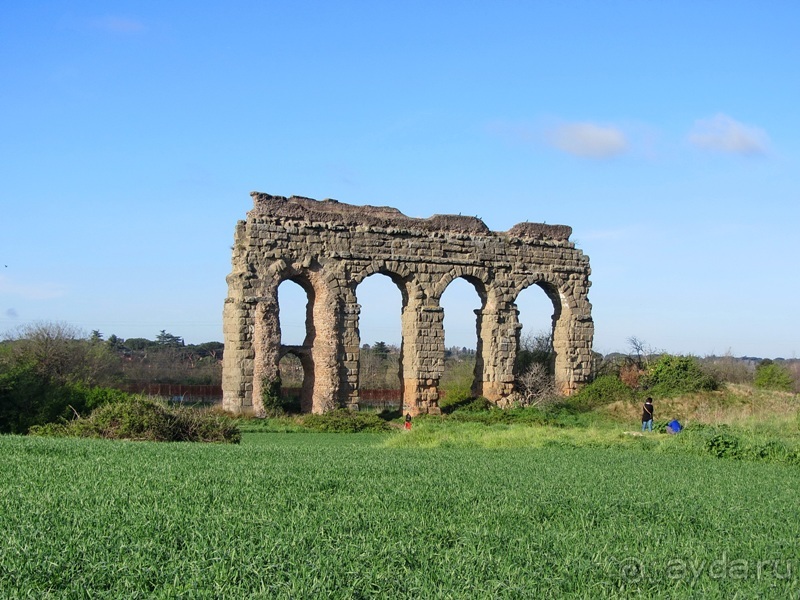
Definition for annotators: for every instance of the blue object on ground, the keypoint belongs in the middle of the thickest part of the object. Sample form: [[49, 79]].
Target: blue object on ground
[[674, 426]]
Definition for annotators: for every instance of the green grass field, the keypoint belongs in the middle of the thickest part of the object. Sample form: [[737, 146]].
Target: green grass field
[[288, 515]]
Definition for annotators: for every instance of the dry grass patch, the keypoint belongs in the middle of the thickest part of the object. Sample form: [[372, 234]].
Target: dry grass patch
[[737, 405]]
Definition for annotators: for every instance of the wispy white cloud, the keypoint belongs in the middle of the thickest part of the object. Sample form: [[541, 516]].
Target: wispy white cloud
[[588, 140], [582, 139], [116, 24], [721, 133]]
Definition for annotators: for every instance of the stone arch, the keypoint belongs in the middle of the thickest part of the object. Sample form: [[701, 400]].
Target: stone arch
[[565, 308], [318, 349], [483, 344], [332, 247], [403, 277], [400, 275], [479, 277], [302, 351], [303, 282], [401, 285], [552, 288], [482, 281]]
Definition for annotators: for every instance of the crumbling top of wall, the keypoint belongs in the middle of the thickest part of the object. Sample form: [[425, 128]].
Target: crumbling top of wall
[[540, 231], [332, 211]]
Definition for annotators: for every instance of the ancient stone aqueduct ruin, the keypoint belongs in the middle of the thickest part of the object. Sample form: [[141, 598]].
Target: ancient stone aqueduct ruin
[[330, 247]]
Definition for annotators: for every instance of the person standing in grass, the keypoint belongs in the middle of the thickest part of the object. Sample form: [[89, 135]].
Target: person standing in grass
[[647, 415], [408, 421]]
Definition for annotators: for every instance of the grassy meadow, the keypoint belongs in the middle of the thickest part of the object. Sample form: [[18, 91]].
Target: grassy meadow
[[457, 510]]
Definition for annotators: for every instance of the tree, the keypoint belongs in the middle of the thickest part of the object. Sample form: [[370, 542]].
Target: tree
[[536, 385], [59, 352], [641, 353], [211, 349], [772, 376], [379, 367], [535, 349], [169, 340], [114, 343], [729, 369], [48, 372], [380, 350], [674, 375], [137, 344]]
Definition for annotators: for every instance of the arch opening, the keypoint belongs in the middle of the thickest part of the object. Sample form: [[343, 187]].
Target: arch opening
[[297, 332], [296, 370], [296, 312], [462, 302], [538, 310], [381, 297]]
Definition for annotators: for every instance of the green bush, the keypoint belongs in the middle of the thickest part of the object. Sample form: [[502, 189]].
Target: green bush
[[137, 419], [674, 375], [275, 404], [770, 450], [205, 425], [772, 376], [271, 397], [143, 419], [478, 404], [723, 445], [390, 414], [498, 416], [456, 397], [603, 390], [345, 421], [22, 399], [28, 399], [725, 441]]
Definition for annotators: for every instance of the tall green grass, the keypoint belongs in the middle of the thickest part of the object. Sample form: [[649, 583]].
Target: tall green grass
[[718, 441], [434, 433], [344, 516]]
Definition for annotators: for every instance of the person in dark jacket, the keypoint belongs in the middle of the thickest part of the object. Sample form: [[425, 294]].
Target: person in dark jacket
[[647, 415]]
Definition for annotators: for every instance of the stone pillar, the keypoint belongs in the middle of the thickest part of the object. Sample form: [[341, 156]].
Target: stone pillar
[[499, 330], [325, 340], [572, 344], [423, 358], [266, 341], [350, 352], [237, 360]]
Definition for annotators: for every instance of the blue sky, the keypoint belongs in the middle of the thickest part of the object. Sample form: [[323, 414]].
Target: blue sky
[[665, 133]]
